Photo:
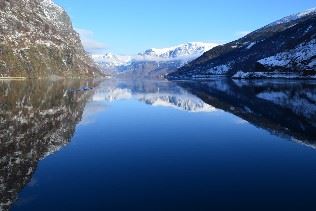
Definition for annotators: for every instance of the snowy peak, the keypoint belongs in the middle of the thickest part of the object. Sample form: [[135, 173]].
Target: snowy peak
[[180, 51], [50, 3], [184, 53], [294, 17], [307, 12], [109, 60], [53, 14]]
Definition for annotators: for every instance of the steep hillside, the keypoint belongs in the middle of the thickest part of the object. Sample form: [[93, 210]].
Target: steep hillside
[[37, 40], [284, 48], [282, 108]]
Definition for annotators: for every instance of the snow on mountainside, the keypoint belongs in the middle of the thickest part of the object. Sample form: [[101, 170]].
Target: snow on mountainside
[[301, 53], [172, 57], [285, 48]]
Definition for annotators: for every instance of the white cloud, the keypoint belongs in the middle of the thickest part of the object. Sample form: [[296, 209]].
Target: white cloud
[[242, 33], [88, 42]]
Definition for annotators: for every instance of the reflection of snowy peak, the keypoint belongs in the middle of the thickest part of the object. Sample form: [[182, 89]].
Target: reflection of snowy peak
[[111, 94], [178, 99], [185, 102]]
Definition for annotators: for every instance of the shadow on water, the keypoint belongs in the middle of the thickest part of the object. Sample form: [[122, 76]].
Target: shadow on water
[[285, 108], [37, 118]]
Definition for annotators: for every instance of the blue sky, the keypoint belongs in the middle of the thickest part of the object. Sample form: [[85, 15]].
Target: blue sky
[[131, 26]]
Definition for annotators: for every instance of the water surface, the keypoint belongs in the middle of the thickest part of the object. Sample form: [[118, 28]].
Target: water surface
[[157, 145]]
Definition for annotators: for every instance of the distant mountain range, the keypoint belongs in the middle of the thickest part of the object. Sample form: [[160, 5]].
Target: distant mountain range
[[37, 40], [153, 62], [285, 48]]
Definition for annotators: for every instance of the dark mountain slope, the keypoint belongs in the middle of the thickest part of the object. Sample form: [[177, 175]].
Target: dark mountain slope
[[288, 45]]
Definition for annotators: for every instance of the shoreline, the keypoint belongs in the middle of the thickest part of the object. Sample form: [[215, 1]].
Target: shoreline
[[13, 78]]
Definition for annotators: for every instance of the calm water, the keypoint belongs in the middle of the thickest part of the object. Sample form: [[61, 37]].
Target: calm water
[[145, 145]]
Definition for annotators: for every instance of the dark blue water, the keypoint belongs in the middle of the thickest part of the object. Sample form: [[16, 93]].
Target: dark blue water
[[179, 146]]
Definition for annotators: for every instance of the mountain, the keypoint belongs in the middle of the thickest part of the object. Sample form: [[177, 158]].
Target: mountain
[[153, 62], [184, 52], [37, 40], [285, 48], [109, 61]]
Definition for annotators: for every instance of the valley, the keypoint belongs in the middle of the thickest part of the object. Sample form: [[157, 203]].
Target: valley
[[108, 105]]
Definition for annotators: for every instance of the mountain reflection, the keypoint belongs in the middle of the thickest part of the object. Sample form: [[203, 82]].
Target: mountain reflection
[[155, 93], [39, 117], [285, 108], [36, 119]]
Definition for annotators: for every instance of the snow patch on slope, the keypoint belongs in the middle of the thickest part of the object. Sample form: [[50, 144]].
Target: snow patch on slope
[[272, 75], [251, 45], [52, 12], [301, 53], [219, 70]]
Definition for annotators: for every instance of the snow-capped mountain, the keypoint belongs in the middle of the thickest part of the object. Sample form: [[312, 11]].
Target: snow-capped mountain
[[183, 52], [153, 60], [110, 60], [285, 48]]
